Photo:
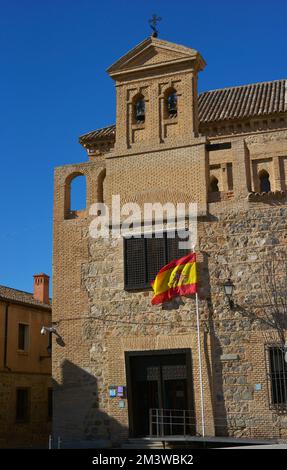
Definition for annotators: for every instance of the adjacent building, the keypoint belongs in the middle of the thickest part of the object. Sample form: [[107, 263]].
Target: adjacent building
[[25, 370], [126, 363]]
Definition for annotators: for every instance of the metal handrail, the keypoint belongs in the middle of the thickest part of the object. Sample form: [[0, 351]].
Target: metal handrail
[[164, 422]]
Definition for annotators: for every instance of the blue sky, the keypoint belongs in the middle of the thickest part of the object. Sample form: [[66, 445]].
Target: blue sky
[[54, 87]]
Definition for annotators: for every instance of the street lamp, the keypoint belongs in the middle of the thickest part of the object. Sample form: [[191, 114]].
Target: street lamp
[[48, 329], [228, 290]]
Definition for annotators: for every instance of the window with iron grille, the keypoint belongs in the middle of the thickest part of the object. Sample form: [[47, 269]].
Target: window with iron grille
[[277, 378], [144, 257]]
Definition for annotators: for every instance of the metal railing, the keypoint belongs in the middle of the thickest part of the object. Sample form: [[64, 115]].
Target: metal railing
[[168, 422], [163, 422]]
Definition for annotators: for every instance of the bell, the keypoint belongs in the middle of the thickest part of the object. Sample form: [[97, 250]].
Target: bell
[[140, 111], [172, 104]]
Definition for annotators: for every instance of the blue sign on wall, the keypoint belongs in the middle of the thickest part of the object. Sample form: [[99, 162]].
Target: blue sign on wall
[[117, 391], [112, 391]]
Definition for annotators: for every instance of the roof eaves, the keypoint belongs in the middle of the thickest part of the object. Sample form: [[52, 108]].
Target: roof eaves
[[26, 303]]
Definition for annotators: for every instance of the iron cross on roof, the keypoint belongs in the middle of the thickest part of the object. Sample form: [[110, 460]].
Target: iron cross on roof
[[153, 24]]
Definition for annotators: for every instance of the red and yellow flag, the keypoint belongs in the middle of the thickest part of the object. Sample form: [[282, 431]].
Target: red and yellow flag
[[178, 277]]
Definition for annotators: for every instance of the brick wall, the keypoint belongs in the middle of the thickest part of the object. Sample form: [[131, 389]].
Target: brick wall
[[112, 321], [100, 321]]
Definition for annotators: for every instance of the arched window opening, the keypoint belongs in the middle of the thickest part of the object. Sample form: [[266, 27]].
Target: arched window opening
[[265, 186], [213, 185], [101, 186], [78, 193], [75, 195], [139, 109], [171, 103]]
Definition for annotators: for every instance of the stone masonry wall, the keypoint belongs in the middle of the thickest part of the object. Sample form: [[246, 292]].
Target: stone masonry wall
[[99, 321], [231, 243]]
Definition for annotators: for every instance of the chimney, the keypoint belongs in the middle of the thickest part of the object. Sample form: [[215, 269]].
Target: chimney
[[41, 288]]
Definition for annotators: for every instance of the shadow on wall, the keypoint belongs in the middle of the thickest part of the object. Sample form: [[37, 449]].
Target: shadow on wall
[[213, 363], [77, 420]]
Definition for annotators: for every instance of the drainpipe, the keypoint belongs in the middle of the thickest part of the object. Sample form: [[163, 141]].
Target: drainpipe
[[6, 336]]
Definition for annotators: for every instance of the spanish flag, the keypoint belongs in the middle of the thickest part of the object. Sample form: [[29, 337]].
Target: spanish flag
[[178, 277]]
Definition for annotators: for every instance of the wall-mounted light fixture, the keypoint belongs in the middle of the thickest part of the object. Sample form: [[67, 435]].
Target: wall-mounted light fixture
[[52, 329], [48, 329], [228, 290]]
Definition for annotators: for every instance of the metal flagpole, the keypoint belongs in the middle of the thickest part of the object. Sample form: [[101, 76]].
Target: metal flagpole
[[200, 368]]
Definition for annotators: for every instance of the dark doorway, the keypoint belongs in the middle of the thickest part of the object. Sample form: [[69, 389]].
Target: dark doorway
[[158, 380]]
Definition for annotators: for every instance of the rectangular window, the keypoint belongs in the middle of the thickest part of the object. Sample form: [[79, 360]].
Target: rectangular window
[[219, 146], [49, 347], [50, 403], [22, 404], [278, 377], [144, 257], [23, 337]]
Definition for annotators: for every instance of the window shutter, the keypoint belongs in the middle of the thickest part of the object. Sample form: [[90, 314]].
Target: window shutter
[[156, 256], [135, 265], [173, 251], [144, 257]]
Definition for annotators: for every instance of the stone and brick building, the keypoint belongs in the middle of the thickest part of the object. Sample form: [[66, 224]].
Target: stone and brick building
[[226, 150], [25, 370]]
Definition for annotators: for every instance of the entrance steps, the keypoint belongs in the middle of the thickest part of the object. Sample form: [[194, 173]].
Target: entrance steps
[[142, 443]]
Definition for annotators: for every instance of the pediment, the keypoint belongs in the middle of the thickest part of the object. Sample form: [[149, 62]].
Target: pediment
[[154, 55], [153, 52]]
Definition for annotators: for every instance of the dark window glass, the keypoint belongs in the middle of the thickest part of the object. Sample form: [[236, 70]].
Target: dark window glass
[[265, 186], [50, 403], [219, 146], [144, 257], [23, 333], [214, 185], [278, 376], [22, 404], [49, 347]]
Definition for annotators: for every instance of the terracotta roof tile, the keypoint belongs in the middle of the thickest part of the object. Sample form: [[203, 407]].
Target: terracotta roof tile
[[9, 294], [257, 99], [99, 134]]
